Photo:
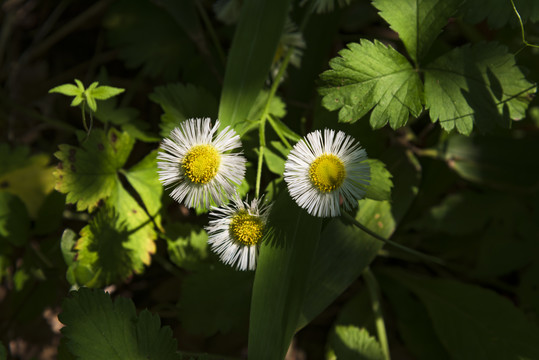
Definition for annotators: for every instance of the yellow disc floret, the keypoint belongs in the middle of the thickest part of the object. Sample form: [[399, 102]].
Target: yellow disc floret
[[245, 228], [327, 173], [201, 163]]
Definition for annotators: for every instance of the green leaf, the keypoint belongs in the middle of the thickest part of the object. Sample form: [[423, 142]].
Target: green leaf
[[478, 84], [187, 246], [104, 92], [143, 177], [89, 174], [413, 322], [30, 178], [14, 219], [274, 162], [67, 89], [97, 328], [499, 13], [67, 244], [372, 76], [342, 255], [352, 343], [381, 184], [146, 36], [472, 322], [181, 102], [253, 47], [215, 299], [284, 264], [418, 22], [495, 161]]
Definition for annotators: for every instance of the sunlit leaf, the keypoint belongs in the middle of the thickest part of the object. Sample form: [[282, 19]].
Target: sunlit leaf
[[372, 76], [67, 89], [98, 328], [104, 92], [418, 22], [380, 185], [90, 173], [353, 343], [478, 84]]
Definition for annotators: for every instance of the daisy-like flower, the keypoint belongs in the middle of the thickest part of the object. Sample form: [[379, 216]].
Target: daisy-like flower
[[194, 161], [236, 230], [323, 170]]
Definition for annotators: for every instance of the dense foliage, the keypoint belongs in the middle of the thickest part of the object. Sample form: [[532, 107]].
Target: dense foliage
[[438, 260]]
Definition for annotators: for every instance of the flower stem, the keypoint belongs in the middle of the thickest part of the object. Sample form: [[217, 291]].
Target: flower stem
[[374, 293], [265, 115], [430, 258]]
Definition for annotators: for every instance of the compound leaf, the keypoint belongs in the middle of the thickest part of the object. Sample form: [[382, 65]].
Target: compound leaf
[[478, 84], [89, 174], [372, 76], [418, 22], [98, 328]]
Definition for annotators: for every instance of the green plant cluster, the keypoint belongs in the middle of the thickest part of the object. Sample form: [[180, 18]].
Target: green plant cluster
[[438, 261]]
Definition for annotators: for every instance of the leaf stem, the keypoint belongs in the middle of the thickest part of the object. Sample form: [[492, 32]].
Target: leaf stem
[[279, 132], [430, 258], [374, 293]]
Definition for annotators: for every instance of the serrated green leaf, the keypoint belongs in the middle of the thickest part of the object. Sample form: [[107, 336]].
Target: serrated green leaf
[[353, 343], [143, 177], [283, 268], [215, 299], [181, 102], [67, 89], [478, 84], [418, 22], [97, 328], [187, 246], [104, 92], [89, 174], [472, 322], [380, 185], [14, 219], [253, 47], [371, 76]]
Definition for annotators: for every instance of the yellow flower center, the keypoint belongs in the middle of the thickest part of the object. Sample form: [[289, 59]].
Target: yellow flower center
[[327, 172], [246, 229], [201, 163]]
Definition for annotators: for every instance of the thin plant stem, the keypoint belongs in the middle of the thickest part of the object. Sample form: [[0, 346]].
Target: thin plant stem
[[526, 43], [211, 31], [362, 227], [265, 115], [374, 294], [83, 109], [279, 132]]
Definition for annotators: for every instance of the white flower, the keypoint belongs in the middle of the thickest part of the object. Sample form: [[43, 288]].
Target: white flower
[[194, 162], [236, 230], [324, 170]]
